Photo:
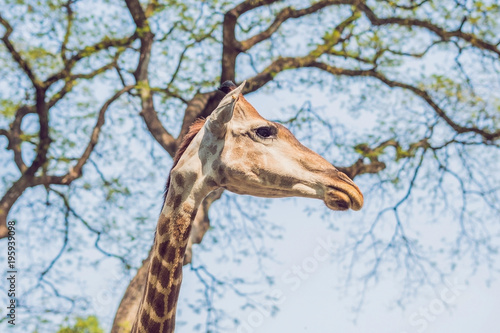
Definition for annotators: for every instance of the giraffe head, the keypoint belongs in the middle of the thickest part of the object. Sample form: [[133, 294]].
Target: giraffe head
[[246, 154]]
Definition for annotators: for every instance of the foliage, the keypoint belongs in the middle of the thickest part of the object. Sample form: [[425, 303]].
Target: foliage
[[83, 325]]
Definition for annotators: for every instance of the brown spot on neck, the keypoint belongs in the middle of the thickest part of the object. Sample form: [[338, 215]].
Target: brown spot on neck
[[158, 307], [179, 180]]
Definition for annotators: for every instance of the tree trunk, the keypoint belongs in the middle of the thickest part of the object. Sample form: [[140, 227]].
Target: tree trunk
[[125, 315]]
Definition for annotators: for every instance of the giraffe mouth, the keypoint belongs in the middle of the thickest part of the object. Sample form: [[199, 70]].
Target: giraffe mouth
[[337, 200], [344, 194]]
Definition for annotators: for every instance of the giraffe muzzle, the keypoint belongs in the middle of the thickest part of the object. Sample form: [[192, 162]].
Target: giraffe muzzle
[[343, 194]]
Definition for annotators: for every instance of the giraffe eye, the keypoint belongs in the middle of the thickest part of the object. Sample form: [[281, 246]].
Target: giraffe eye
[[265, 132]]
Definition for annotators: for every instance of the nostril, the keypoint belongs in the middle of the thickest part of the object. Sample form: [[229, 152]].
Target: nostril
[[342, 205]]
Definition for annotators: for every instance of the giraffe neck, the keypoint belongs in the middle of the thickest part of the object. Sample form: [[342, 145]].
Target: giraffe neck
[[159, 302]]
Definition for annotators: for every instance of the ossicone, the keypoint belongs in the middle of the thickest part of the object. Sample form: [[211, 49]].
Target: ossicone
[[227, 86]]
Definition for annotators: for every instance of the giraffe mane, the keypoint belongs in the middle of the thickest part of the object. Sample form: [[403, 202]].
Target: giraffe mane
[[186, 141]]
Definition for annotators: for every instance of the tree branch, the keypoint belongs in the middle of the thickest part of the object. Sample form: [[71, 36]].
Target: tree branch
[[70, 81], [76, 171], [439, 31], [487, 135], [16, 55], [14, 136], [28, 178], [24, 181], [282, 16], [148, 112], [69, 19], [282, 64], [372, 154], [231, 47], [86, 52]]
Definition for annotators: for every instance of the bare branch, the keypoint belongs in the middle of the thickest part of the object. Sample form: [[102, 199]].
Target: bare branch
[[439, 31], [66, 237], [16, 55], [155, 127], [146, 36], [76, 171], [14, 136], [137, 13], [406, 7], [282, 64], [148, 112], [248, 5], [487, 135], [86, 52], [69, 19], [70, 81], [282, 16], [28, 178], [231, 47]]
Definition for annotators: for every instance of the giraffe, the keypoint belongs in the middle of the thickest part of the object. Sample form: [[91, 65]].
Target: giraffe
[[236, 149]]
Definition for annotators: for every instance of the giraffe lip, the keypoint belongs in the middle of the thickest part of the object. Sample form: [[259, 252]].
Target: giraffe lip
[[337, 199], [344, 197]]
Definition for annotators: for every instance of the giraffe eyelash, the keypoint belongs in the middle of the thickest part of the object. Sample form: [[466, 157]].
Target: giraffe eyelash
[[266, 132]]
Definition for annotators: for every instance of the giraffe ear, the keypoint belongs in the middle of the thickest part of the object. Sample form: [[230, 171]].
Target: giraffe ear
[[219, 118]]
